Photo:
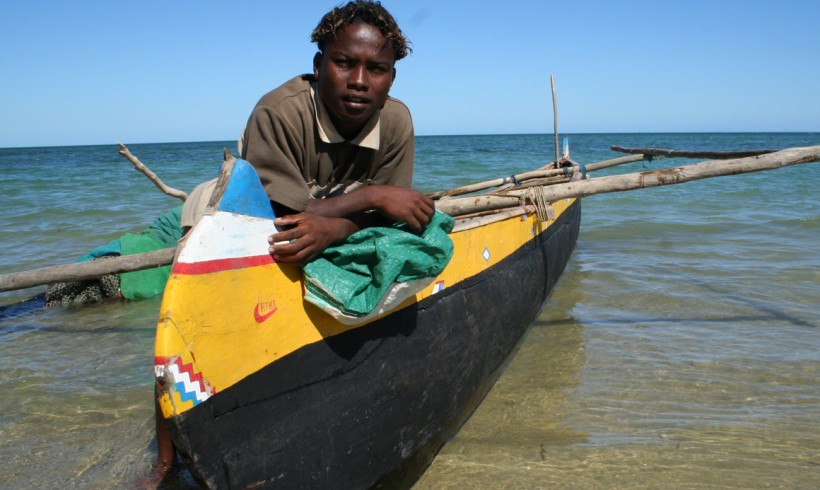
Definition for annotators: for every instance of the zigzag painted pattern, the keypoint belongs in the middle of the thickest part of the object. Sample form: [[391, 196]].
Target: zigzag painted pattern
[[187, 382]]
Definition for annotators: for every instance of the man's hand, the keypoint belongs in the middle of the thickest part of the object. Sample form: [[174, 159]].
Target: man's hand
[[402, 204], [306, 236]]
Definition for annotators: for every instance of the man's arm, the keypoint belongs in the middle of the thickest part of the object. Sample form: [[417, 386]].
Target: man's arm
[[398, 203], [331, 220]]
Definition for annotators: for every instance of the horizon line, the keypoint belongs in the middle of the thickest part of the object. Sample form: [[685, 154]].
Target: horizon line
[[424, 136]]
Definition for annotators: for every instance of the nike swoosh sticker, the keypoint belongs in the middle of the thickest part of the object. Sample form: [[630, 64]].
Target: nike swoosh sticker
[[270, 308]]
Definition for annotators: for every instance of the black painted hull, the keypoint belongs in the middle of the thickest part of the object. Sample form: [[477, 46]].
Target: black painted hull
[[371, 406]]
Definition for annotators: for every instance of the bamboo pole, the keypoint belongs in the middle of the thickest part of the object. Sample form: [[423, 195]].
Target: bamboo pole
[[716, 155], [640, 180], [151, 175], [80, 271]]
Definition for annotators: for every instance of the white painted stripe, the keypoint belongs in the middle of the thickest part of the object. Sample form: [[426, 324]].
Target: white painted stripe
[[190, 386], [227, 236]]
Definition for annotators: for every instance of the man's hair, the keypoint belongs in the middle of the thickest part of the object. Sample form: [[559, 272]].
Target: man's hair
[[368, 12]]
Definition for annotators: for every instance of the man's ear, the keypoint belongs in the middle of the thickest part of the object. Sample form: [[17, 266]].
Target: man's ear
[[317, 60]]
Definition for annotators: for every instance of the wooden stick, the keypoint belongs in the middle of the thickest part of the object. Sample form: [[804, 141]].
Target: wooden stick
[[618, 161], [454, 207], [80, 271], [517, 178], [479, 186], [640, 180], [543, 172], [554, 116], [652, 154], [472, 204], [717, 155], [484, 219], [151, 175], [637, 156]]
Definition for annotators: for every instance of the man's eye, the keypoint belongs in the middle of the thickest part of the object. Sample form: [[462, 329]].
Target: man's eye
[[344, 63]]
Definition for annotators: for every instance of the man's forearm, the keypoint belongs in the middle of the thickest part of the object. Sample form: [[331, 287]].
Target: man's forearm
[[346, 205], [396, 203]]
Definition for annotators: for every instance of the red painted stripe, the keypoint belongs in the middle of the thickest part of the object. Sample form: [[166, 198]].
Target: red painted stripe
[[207, 266], [193, 375]]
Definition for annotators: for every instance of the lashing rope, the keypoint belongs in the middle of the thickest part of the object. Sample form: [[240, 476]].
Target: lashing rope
[[538, 198]]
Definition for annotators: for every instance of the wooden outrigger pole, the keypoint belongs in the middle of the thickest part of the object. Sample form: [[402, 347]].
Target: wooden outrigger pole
[[81, 271], [461, 206], [640, 180]]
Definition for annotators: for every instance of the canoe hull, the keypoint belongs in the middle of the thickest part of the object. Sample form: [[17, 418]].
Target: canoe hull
[[370, 406]]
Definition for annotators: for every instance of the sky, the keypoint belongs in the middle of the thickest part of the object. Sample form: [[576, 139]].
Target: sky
[[97, 72]]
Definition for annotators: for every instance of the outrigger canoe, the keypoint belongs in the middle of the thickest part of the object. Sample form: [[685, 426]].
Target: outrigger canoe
[[262, 389]]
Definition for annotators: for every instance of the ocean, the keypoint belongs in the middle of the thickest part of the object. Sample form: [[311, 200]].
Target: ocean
[[680, 349]]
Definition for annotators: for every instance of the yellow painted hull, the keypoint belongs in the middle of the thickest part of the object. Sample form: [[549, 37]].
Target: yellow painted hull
[[263, 389]]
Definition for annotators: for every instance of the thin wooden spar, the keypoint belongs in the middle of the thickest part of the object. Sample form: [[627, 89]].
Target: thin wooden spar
[[554, 116], [81, 271], [639, 180], [716, 155], [123, 150], [456, 207]]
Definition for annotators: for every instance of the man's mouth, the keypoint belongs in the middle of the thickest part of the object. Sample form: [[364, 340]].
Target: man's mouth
[[355, 102]]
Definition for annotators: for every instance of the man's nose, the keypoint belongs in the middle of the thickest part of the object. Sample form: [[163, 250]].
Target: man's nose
[[358, 77]]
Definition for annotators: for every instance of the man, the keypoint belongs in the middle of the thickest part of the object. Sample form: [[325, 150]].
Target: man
[[332, 148]]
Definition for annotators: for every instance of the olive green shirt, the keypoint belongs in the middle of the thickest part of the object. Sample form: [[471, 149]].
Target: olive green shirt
[[299, 155]]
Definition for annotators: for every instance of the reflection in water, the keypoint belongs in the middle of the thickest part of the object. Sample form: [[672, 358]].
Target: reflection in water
[[646, 373], [523, 420]]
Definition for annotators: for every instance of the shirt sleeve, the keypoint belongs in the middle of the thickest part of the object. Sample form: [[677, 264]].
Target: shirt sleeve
[[398, 139], [196, 203], [270, 147]]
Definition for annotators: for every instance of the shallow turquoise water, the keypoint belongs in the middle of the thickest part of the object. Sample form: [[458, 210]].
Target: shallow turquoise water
[[679, 349]]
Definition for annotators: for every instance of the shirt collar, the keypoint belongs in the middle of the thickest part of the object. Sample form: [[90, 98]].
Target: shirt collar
[[368, 137]]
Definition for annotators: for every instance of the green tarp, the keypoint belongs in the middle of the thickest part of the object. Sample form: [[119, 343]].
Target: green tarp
[[163, 233], [354, 277], [149, 283]]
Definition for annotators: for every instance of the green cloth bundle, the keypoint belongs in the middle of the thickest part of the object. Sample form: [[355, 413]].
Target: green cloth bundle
[[164, 232], [377, 268]]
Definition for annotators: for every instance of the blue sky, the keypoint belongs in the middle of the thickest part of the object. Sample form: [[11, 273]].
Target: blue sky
[[91, 72]]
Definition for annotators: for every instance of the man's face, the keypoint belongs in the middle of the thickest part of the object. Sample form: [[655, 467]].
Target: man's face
[[355, 73]]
